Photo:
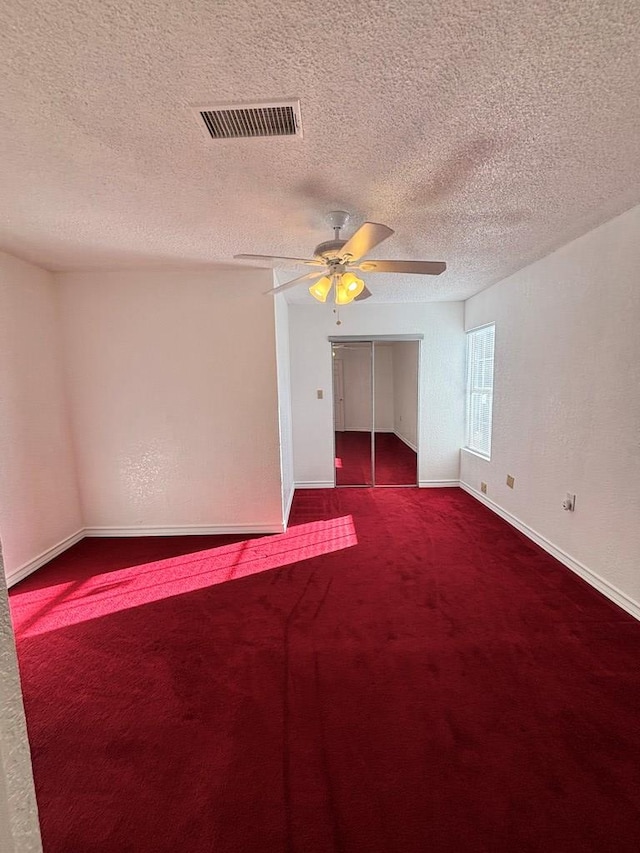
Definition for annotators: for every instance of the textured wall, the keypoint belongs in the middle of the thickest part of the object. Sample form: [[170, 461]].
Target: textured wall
[[395, 387], [173, 394], [19, 829], [567, 408], [356, 371], [356, 386], [284, 398], [383, 387], [405, 390], [441, 386], [39, 503]]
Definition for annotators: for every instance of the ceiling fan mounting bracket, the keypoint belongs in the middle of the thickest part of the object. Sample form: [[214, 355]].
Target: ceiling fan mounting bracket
[[338, 219]]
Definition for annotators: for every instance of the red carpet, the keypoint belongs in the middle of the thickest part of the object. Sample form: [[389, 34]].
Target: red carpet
[[407, 675], [395, 463]]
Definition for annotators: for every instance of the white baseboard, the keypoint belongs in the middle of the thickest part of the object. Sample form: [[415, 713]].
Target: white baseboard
[[184, 530], [315, 484], [287, 507], [27, 568], [609, 590], [405, 441]]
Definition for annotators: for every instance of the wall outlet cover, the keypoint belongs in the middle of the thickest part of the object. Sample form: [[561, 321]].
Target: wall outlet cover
[[483, 488], [510, 481]]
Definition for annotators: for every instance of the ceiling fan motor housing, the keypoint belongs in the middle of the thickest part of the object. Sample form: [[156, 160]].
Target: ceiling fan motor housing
[[329, 250]]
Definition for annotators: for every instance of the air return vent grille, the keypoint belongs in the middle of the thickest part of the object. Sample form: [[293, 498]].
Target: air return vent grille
[[247, 121]]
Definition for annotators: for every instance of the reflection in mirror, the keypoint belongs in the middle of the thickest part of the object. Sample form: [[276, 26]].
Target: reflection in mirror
[[396, 413], [353, 413]]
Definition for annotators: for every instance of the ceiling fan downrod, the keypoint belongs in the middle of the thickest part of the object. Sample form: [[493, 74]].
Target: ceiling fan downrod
[[337, 219]]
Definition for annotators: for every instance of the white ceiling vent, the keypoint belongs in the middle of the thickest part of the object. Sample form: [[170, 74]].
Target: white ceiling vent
[[246, 121]]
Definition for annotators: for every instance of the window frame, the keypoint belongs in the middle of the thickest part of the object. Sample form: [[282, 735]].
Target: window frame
[[478, 392]]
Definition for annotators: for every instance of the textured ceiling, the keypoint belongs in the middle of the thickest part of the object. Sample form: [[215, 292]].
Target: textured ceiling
[[485, 133]]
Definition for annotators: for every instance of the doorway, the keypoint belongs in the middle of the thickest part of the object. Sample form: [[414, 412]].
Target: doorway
[[375, 407]]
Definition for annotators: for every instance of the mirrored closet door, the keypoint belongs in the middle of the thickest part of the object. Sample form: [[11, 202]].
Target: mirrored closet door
[[353, 413], [395, 407], [375, 394]]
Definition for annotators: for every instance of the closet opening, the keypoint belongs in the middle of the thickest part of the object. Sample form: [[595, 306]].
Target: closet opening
[[376, 410]]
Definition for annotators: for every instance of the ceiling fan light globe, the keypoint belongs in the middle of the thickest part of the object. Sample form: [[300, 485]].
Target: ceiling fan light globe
[[320, 290], [352, 284], [348, 286]]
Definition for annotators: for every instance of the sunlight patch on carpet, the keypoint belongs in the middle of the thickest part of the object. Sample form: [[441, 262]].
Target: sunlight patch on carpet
[[42, 610]]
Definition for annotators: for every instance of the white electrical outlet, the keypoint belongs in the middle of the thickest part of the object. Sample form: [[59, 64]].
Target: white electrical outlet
[[569, 503]]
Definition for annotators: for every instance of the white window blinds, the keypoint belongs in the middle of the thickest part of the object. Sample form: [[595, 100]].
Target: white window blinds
[[480, 348]]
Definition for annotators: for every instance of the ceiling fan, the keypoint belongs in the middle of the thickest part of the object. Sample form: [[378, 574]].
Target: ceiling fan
[[335, 261]]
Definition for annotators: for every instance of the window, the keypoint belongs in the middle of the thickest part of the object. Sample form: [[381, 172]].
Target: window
[[480, 347]]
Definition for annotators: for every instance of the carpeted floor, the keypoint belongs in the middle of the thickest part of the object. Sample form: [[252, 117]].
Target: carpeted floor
[[400, 672], [395, 463]]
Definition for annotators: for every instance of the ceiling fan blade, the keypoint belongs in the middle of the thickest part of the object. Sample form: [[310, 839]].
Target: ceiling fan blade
[[276, 261], [413, 267], [308, 277], [366, 293], [368, 235]]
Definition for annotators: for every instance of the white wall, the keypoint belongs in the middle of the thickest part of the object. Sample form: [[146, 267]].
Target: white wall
[[356, 387], [39, 502], [567, 402], [405, 391], [173, 393], [395, 383], [442, 382], [283, 365], [383, 387]]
